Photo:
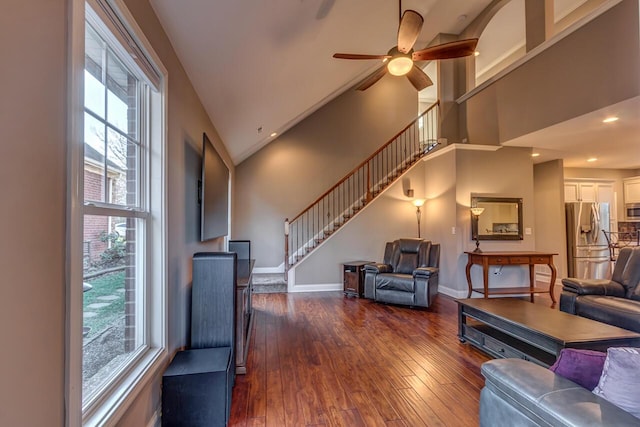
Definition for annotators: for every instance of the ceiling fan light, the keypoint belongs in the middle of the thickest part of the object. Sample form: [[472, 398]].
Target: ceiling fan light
[[400, 65]]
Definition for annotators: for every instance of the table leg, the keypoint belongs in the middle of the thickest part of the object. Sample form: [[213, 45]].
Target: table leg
[[468, 270], [532, 279], [553, 280], [461, 322]]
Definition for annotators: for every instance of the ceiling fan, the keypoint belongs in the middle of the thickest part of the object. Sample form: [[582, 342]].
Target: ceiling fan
[[400, 60]]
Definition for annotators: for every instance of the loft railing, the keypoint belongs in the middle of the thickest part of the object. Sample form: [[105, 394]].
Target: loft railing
[[353, 192]]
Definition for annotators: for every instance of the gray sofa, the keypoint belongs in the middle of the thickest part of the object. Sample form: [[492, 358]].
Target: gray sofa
[[521, 393], [615, 301], [408, 274]]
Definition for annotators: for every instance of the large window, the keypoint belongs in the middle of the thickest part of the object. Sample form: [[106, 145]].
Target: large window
[[121, 210], [115, 212]]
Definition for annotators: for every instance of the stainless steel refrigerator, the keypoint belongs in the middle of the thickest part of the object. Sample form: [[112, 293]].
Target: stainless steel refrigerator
[[587, 248]]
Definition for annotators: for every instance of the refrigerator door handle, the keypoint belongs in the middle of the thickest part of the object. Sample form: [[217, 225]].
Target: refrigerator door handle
[[595, 209]]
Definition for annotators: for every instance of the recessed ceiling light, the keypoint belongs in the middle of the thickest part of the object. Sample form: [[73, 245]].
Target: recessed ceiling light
[[592, 159], [610, 119], [273, 134], [535, 154]]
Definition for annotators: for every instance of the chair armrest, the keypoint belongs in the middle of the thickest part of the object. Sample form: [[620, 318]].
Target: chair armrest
[[425, 272], [593, 287], [378, 268]]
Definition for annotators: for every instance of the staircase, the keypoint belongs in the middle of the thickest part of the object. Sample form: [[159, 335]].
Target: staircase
[[268, 283], [322, 218]]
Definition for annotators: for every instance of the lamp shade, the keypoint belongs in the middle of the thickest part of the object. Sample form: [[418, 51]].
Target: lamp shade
[[477, 211], [418, 202]]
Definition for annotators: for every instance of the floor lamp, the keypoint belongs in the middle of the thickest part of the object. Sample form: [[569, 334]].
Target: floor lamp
[[418, 203], [476, 212]]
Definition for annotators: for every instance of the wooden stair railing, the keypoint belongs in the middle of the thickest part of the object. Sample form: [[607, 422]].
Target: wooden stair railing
[[359, 187]]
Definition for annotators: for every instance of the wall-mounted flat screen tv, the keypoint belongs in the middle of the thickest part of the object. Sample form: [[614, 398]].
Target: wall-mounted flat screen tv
[[214, 201]]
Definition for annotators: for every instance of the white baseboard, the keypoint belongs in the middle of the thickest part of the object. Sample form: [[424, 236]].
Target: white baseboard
[[317, 287], [453, 293], [312, 287]]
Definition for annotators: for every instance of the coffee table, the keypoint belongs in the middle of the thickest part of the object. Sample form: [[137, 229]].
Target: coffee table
[[508, 327]]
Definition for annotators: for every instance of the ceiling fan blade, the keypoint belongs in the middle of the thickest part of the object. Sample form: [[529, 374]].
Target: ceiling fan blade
[[418, 78], [373, 78], [359, 56], [454, 49], [409, 30]]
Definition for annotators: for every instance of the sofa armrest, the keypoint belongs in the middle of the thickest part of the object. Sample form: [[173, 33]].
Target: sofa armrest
[[378, 268], [425, 272], [593, 287], [530, 392]]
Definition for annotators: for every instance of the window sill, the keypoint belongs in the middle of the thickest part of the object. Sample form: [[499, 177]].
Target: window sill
[[115, 403]]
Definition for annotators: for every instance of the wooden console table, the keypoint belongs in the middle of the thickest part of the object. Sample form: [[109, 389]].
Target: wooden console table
[[486, 259]]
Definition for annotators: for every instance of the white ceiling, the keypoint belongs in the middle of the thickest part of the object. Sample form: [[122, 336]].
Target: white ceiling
[[614, 145], [268, 64]]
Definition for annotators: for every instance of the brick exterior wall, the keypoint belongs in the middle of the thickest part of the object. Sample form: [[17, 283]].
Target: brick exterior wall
[[94, 226]]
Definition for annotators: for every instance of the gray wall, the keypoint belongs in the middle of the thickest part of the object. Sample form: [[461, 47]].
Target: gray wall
[[32, 216], [550, 232], [291, 172], [451, 178], [441, 216], [33, 178], [389, 217], [571, 78], [504, 173]]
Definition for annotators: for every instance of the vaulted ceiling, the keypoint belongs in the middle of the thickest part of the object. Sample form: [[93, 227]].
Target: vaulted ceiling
[[262, 66], [268, 64]]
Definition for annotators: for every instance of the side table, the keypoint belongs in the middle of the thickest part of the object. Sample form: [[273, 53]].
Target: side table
[[353, 278], [486, 259]]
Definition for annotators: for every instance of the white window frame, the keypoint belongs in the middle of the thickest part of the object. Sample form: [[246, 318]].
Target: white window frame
[[115, 400]]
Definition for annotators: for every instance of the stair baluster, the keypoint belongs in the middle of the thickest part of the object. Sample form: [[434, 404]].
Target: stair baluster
[[315, 224]]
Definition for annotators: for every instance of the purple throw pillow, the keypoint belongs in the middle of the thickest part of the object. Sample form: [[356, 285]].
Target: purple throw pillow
[[620, 380], [583, 367]]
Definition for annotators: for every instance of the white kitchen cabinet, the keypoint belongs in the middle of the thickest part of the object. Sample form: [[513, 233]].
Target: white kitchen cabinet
[[590, 191], [571, 192], [583, 191], [631, 189]]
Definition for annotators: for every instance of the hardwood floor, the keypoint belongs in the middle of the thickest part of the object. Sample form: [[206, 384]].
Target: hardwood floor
[[322, 359]]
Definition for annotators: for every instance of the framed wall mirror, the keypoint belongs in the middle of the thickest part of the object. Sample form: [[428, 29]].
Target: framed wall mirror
[[500, 218]]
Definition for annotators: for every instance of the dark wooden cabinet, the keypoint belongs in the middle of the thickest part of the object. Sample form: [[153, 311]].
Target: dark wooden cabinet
[[197, 385], [353, 278], [213, 300], [244, 291], [221, 304]]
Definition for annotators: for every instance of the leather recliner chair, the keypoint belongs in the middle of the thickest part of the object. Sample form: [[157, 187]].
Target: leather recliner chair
[[408, 274]]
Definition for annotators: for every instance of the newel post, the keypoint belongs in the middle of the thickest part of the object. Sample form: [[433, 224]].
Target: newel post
[[286, 247]]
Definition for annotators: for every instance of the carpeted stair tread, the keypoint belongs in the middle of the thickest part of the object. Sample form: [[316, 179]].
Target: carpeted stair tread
[[269, 283]]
